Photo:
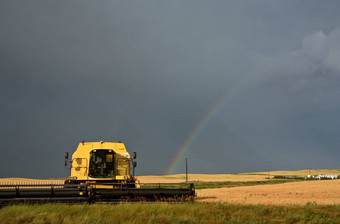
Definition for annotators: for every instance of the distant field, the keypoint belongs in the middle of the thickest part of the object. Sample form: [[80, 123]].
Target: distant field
[[177, 178], [29, 181], [240, 177]]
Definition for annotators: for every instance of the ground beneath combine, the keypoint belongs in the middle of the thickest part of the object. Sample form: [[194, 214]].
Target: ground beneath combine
[[105, 193]]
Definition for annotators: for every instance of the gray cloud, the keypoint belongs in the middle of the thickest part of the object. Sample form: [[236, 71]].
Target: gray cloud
[[148, 72], [292, 104]]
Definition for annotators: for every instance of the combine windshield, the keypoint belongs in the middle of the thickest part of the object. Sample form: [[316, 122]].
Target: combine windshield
[[102, 164]]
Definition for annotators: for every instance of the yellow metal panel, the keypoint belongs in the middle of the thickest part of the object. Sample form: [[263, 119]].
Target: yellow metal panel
[[81, 160]]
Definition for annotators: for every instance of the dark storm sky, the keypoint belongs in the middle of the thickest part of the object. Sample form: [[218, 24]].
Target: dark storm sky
[[147, 72]]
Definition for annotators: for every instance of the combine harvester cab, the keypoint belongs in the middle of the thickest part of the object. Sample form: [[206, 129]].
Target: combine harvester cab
[[99, 172], [96, 163]]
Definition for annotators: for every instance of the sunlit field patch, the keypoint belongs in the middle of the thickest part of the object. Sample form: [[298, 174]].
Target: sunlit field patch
[[325, 192]]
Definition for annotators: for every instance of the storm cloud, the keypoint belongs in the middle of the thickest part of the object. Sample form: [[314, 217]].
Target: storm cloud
[[147, 72]]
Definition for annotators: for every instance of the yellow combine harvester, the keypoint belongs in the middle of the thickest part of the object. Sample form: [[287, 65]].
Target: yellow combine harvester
[[99, 172], [96, 163]]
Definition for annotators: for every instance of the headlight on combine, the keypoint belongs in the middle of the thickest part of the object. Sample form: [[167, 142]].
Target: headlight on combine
[[126, 177]]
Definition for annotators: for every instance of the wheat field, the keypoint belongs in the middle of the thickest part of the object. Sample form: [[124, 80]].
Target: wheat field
[[323, 192], [177, 178], [239, 177]]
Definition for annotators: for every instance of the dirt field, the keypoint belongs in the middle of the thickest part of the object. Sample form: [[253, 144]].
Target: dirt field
[[322, 192]]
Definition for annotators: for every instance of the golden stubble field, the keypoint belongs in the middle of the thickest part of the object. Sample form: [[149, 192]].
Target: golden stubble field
[[325, 192], [321, 192], [239, 177], [299, 193], [177, 178]]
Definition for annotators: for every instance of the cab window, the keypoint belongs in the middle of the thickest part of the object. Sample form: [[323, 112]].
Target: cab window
[[102, 164]]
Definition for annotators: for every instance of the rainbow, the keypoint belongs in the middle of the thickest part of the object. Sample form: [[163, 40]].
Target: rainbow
[[183, 149]]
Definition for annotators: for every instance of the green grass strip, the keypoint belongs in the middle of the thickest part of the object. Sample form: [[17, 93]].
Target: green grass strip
[[207, 185], [169, 213], [210, 185]]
